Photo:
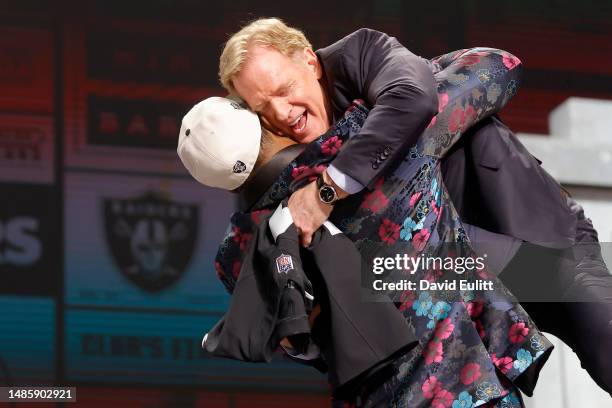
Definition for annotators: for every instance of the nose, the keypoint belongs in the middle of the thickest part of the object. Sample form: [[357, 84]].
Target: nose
[[280, 109]]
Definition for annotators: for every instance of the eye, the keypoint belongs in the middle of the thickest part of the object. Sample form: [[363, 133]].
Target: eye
[[285, 90]]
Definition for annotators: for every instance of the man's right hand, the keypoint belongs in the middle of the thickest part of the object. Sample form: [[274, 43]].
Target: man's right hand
[[313, 314]]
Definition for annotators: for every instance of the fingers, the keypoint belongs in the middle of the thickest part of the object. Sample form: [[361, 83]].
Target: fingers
[[308, 212], [313, 314], [305, 236], [305, 239], [286, 343]]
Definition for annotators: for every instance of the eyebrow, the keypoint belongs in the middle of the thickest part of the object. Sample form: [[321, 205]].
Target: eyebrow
[[286, 85]]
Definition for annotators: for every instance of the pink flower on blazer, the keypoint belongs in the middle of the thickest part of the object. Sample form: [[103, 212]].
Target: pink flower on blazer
[[331, 146]]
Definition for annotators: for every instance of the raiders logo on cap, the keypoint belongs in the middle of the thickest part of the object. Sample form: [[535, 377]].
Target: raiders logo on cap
[[284, 263], [239, 167], [236, 105]]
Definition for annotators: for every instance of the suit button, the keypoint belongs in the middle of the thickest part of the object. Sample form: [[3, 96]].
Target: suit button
[[387, 151], [374, 166]]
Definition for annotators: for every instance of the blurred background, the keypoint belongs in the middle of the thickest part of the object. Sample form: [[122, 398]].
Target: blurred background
[[107, 245]]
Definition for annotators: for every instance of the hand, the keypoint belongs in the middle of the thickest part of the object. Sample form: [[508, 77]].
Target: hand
[[308, 212], [286, 343], [313, 314]]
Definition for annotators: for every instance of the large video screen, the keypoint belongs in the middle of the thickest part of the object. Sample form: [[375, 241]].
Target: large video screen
[[29, 248], [27, 341], [126, 89]]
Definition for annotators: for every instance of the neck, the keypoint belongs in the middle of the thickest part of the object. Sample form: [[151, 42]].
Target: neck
[[261, 179], [326, 101], [273, 145]]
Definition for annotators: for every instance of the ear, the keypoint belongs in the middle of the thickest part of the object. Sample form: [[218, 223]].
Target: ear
[[312, 61]]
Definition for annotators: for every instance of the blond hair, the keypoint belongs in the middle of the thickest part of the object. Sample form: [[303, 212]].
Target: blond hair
[[268, 32]]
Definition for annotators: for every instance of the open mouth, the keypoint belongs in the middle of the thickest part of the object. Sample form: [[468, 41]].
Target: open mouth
[[299, 124]]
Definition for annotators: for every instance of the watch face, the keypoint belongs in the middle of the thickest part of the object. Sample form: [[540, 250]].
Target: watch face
[[327, 194]]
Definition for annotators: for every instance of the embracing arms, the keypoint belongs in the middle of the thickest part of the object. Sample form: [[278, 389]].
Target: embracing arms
[[397, 85], [472, 85]]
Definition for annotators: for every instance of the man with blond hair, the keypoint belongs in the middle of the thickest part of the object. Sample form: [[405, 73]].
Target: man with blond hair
[[496, 185], [273, 68]]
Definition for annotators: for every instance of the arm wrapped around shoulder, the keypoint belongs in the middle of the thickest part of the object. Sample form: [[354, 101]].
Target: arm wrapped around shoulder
[[397, 84], [472, 85]]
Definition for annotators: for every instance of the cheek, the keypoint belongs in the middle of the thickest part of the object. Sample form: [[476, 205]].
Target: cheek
[[266, 116], [299, 96], [307, 93], [265, 122], [316, 99]]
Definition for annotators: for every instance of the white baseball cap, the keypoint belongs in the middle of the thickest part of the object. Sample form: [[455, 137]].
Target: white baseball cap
[[219, 142]]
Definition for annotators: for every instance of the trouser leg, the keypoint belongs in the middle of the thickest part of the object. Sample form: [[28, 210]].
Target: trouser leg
[[589, 304], [568, 293]]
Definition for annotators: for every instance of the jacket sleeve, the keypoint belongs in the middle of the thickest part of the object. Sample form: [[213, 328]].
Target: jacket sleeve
[[278, 254], [246, 331], [257, 319], [312, 357], [397, 84], [472, 84]]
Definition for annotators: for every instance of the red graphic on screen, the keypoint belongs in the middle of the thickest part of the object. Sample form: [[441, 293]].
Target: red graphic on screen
[[127, 88], [26, 149], [26, 70]]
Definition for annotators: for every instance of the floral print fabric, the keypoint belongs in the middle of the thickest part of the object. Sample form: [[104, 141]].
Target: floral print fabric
[[472, 345]]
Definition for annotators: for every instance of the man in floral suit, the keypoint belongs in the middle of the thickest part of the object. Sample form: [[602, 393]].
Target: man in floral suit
[[496, 185]]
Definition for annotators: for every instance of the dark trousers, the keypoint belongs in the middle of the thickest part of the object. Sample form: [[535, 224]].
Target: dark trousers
[[568, 293]]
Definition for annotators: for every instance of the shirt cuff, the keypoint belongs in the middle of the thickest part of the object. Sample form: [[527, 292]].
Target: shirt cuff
[[347, 183], [313, 352]]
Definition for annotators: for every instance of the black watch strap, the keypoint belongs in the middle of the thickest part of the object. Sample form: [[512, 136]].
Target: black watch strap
[[320, 180], [321, 186]]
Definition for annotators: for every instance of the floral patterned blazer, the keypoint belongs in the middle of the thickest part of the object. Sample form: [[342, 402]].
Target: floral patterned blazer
[[474, 345]]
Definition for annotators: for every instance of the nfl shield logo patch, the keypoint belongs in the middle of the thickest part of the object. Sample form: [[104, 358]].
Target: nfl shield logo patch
[[284, 263]]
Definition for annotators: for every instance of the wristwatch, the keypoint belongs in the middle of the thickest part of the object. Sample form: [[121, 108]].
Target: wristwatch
[[327, 192]]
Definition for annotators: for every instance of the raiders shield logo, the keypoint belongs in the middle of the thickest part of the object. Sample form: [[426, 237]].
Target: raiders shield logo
[[150, 238], [239, 167], [284, 263]]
